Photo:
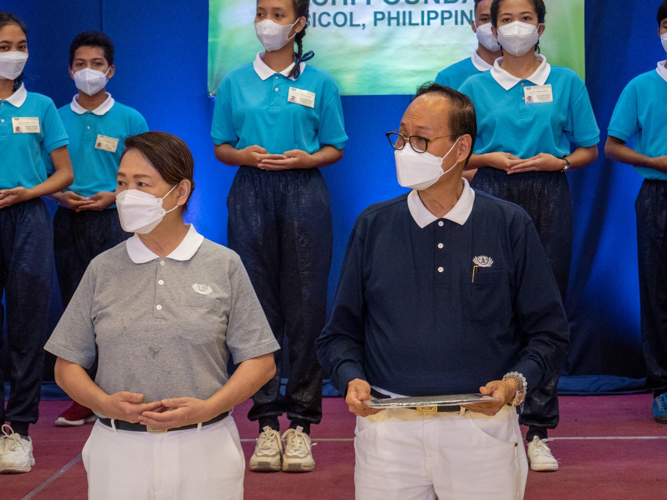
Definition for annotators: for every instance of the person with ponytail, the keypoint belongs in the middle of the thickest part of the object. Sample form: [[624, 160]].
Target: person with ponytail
[[281, 121], [535, 121], [29, 127]]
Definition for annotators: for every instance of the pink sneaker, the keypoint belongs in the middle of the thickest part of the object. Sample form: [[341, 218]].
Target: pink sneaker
[[75, 415]]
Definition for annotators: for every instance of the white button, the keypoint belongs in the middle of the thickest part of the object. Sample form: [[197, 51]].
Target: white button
[[3, 103], [440, 269], [159, 307], [440, 245], [3, 120], [441, 223], [523, 84], [162, 263], [160, 282], [276, 77], [88, 127]]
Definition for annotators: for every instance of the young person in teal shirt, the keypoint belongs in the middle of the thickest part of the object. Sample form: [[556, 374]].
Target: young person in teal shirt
[[86, 223], [29, 127], [488, 50], [640, 116], [281, 120], [535, 121]]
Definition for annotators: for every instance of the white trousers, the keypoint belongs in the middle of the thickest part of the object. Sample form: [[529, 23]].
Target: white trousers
[[203, 464], [402, 454]]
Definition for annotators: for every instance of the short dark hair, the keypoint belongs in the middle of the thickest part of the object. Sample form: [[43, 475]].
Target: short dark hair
[[477, 2], [7, 19], [462, 116], [662, 12], [168, 154], [92, 39], [538, 5]]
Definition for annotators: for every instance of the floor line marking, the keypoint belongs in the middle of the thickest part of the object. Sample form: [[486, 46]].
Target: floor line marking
[[52, 478], [578, 438]]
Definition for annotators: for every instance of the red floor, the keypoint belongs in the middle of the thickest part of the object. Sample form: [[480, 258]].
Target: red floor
[[591, 469]]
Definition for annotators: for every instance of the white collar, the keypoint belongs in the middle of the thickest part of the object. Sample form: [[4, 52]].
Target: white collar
[[140, 254], [101, 110], [458, 214], [662, 71], [480, 63], [18, 97], [264, 72], [508, 81]]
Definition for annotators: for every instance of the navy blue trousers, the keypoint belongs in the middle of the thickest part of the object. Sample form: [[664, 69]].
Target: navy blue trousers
[[26, 267], [651, 208], [546, 198], [280, 225], [78, 239]]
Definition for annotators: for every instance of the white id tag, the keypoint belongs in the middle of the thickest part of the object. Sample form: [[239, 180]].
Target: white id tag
[[105, 143], [302, 97], [538, 94], [25, 125]]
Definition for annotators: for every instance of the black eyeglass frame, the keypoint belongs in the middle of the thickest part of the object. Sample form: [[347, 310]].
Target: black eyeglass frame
[[407, 140]]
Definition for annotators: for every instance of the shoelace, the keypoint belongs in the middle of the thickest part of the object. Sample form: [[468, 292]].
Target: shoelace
[[542, 449], [12, 440], [297, 443], [267, 442], [662, 402]]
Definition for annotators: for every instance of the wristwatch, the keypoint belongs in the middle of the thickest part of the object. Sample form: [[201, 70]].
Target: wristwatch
[[567, 164], [521, 387]]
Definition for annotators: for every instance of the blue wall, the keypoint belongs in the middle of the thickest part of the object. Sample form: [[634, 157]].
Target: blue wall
[[161, 70]]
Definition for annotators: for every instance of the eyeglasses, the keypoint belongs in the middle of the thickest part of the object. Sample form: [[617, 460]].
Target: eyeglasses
[[418, 143]]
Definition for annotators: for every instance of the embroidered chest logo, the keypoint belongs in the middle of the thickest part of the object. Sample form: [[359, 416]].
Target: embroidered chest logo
[[483, 261], [203, 289]]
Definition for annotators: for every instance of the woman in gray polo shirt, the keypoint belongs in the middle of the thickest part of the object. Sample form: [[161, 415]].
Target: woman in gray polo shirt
[[163, 311]]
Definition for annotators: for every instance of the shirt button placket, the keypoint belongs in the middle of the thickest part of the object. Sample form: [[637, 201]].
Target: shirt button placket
[[439, 261], [158, 313]]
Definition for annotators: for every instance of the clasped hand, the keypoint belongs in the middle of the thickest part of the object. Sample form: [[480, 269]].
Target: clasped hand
[[257, 156], [165, 414]]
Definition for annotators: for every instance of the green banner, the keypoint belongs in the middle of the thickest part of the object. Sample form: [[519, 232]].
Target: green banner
[[384, 47]]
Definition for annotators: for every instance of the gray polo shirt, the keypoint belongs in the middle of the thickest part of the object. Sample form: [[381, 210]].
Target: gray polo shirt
[[163, 327]]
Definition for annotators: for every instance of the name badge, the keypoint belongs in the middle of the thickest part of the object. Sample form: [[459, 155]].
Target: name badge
[[538, 94], [25, 125], [302, 97], [105, 143]]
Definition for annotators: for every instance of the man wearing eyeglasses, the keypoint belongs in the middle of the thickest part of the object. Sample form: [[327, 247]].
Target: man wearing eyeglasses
[[444, 291]]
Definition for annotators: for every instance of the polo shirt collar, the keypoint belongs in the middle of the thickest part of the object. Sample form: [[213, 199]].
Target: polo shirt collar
[[140, 254], [458, 214], [18, 97], [507, 81], [264, 72], [101, 110], [480, 63], [662, 71]]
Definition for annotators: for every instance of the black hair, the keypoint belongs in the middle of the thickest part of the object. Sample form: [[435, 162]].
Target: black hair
[[538, 5], [168, 154], [662, 12], [92, 39], [477, 2], [7, 19], [302, 9], [462, 116]]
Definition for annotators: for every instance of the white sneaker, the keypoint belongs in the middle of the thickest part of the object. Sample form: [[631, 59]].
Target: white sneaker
[[268, 451], [540, 456], [297, 456], [17, 455]]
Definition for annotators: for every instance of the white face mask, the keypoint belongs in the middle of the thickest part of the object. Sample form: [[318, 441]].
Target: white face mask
[[518, 38], [90, 81], [140, 212], [663, 39], [419, 170], [12, 64], [272, 35], [486, 38]]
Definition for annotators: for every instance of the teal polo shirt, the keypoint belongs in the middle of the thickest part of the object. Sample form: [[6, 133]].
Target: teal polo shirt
[[507, 123], [92, 136], [252, 108], [455, 75], [641, 113], [21, 154]]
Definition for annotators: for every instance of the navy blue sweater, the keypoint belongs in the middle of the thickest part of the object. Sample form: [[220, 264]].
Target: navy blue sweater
[[405, 326]]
